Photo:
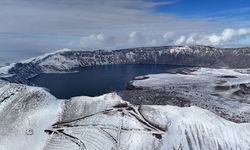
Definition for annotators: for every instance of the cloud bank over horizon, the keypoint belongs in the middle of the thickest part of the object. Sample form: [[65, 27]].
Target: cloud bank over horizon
[[135, 39], [34, 27]]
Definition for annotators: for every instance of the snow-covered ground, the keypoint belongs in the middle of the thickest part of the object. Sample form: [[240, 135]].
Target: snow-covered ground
[[24, 113], [33, 119], [201, 74], [225, 92]]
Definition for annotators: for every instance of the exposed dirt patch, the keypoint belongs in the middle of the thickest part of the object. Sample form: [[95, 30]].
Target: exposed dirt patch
[[222, 88], [153, 97], [227, 76]]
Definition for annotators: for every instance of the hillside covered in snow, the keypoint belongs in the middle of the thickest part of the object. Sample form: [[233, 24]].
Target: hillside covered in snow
[[40, 121]]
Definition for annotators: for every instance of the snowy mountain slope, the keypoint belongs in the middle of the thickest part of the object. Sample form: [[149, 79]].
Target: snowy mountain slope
[[225, 92], [65, 60], [24, 113], [33, 119], [196, 128]]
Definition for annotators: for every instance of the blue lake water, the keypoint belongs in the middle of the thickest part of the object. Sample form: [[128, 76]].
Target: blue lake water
[[96, 80]]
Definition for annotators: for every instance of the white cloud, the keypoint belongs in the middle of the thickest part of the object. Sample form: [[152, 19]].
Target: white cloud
[[229, 35], [168, 37], [82, 18], [97, 41], [137, 39], [180, 40], [226, 37], [78, 17]]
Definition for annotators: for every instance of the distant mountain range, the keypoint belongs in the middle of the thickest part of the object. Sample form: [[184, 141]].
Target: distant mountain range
[[66, 59]]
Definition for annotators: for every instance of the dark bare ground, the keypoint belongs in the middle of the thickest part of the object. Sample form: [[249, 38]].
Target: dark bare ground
[[153, 97]]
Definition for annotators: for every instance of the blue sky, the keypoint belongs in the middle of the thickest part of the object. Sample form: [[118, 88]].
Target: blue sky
[[30, 27], [207, 8]]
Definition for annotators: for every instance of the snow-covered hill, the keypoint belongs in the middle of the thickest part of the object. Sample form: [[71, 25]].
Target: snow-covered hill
[[33, 119], [24, 113]]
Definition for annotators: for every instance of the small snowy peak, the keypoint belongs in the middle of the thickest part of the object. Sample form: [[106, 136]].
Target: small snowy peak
[[37, 64], [77, 106], [58, 62], [39, 58]]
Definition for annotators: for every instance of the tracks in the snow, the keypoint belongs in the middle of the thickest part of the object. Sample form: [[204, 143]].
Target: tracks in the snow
[[79, 130]]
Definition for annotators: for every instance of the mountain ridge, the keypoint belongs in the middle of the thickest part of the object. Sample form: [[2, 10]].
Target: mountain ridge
[[65, 60]]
